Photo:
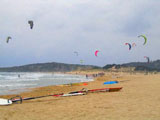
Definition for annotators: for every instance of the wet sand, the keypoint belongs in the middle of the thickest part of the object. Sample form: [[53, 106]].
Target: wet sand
[[138, 100]]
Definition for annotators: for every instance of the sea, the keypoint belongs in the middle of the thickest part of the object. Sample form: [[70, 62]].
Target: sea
[[17, 82]]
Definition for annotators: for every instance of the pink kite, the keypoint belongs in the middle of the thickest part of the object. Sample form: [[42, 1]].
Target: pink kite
[[96, 52]]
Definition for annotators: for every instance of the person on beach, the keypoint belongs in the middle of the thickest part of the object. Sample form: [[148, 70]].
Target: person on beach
[[87, 76]]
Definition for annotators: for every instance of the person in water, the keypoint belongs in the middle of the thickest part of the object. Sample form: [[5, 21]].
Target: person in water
[[19, 76]]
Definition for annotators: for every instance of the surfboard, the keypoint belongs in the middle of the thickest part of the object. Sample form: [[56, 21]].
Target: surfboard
[[110, 82], [5, 101], [73, 94]]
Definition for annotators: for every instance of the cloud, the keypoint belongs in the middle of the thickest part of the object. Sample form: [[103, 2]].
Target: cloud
[[62, 27]]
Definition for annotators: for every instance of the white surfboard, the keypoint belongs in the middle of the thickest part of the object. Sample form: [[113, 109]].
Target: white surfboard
[[5, 101], [74, 94]]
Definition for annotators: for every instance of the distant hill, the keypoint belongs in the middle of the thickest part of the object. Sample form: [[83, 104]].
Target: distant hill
[[138, 66], [48, 67], [62, 67]]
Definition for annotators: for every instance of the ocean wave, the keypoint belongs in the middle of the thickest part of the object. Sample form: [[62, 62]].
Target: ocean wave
[[16, 85], [9, 81]]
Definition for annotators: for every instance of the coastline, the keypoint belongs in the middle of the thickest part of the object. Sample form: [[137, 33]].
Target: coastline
[[52, 89], [139, 99], [43, 79]]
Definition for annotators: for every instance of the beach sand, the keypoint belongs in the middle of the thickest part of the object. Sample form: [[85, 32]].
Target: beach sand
[[138, 100]]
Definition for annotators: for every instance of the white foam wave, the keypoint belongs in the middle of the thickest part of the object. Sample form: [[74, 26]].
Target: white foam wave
[[9, 81], [17, 85]]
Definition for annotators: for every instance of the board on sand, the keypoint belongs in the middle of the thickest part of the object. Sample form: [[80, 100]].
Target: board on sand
[[5, 101], [20, 99], [106, 89], [110, 82], [99, 90], [72, 94]]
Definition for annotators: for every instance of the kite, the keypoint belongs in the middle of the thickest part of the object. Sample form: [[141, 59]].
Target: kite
[[145, 39], [81, 61], [31, 23], [76, 53], [129, 45], [133, 44], [148, 60], [8, 38], [96, 52]]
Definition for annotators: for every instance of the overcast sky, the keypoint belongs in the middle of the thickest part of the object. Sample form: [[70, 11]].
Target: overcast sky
[[62, 27]]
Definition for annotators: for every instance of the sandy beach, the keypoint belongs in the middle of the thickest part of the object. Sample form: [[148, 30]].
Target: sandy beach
[[138, 100]]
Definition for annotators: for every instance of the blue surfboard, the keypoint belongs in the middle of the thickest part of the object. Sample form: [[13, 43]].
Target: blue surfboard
[[110, 82]]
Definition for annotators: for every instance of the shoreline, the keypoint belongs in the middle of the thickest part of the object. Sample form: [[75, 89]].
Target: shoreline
[[30, 92], [29, 89]]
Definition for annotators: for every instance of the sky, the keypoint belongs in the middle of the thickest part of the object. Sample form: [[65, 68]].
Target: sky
[[62, 27]]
